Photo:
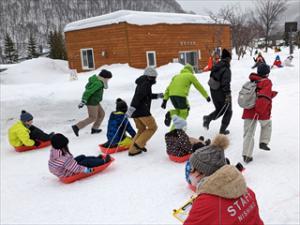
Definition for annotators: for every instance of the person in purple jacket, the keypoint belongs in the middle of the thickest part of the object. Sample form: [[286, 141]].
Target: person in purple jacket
[[63, 164]]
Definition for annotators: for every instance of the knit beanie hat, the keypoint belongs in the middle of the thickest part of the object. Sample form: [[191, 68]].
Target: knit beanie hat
[[121, 105], [59, 141], [263, 69], [151, 72], [225, 54], [209, 159], [277, 57], [25, 116], [105, 74], [179, 123]]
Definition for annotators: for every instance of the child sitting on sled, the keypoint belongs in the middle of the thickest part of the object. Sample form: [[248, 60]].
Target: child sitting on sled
[[179, 143], [23, 133], [118, 125], [63, 164], [277, 62]]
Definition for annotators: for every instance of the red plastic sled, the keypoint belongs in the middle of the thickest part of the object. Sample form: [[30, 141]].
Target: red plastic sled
[[28, 148], [80, 176], [112, 150], [179, 159]]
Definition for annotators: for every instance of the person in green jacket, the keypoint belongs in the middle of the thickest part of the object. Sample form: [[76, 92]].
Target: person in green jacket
[[178, 91], [23, 133], [92, 97]]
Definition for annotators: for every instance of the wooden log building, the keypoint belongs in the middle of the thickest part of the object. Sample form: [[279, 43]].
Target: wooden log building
[[144, 39]]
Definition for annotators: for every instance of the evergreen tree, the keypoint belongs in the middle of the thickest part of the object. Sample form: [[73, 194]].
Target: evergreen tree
[[10, 52], [31, 49], [57, 45]]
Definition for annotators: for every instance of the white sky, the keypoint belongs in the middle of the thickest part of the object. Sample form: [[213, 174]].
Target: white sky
[[201, 7]]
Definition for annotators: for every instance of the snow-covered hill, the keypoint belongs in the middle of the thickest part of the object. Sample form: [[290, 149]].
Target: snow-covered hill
[[146, 188]]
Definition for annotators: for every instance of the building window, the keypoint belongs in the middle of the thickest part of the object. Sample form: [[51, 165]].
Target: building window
[[87, 59], [151, 58]]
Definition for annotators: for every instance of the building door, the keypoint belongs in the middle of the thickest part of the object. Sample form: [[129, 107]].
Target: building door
[[190, 57]]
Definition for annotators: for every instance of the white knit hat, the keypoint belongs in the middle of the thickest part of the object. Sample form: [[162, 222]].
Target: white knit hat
[[151, 72]]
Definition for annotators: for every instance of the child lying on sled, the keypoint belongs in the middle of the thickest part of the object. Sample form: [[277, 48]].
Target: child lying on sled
[[179, 143]]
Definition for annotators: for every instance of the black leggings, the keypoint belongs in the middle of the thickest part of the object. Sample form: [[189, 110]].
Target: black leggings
[[38, 134], [89, 161]]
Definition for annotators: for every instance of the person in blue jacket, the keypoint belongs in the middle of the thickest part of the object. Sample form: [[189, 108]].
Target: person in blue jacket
[[118, 125]]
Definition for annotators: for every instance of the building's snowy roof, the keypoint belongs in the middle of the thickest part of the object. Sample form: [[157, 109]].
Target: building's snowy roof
[[138, 18]]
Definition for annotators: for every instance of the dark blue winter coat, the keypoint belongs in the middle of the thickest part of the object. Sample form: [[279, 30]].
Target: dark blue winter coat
[[116, 120]]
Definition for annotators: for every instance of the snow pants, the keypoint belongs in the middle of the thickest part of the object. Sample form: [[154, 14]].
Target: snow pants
[[181, 106], [249, 132], [95, 114], [89, 161], [38, 134], [146, 127]]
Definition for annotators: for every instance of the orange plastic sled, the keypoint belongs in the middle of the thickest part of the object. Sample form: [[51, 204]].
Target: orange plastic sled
[[112, 150], [80, 176], [179, 159], [28, 148]]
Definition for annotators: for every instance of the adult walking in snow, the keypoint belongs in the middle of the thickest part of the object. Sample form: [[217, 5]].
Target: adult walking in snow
[[219, 82], [139, 110], [261, 112], [178, 91], [223, 195], [23, 133], [92, 97]]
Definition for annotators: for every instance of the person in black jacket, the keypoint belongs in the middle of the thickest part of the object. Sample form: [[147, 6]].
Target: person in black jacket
[[139, 110], [220, 78]]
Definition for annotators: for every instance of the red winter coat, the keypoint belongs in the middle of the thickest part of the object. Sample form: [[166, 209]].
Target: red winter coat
[[224, 200], [277, 63], [263, 105]]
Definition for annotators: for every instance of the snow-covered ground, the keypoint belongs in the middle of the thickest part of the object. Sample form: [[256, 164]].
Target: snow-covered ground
[[146, 188]]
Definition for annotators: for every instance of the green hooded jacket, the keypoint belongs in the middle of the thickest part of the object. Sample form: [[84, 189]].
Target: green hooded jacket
[[181, 83], [93, 91]]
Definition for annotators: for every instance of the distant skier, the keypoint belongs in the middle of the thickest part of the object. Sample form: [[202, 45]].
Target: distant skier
[[139, 110], [178, 91], [92, 97], [118, 125], [259, 59], [219, 82], [23, 133], [261, 113]]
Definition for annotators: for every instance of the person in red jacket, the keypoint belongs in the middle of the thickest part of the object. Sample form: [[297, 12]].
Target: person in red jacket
[[223, 196], [277, 62], [261, 112]]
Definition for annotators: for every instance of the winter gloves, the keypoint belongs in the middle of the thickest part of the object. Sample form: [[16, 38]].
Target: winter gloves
[[164, 104], [81, 104], [160, 95], [130, 111], [208, 99], [37, 143], [88, 170]]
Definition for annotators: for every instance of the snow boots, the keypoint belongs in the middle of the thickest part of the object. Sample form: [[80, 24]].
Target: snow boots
[[76, 130], [95, 131], [264, 146], [247, 159]]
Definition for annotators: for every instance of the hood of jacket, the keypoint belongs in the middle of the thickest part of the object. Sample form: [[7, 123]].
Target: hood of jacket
[[187, 69], [227, 182], [220, 65]]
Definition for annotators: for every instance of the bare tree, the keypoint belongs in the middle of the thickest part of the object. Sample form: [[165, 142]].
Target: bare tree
[[244, 29], [268, 12]]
